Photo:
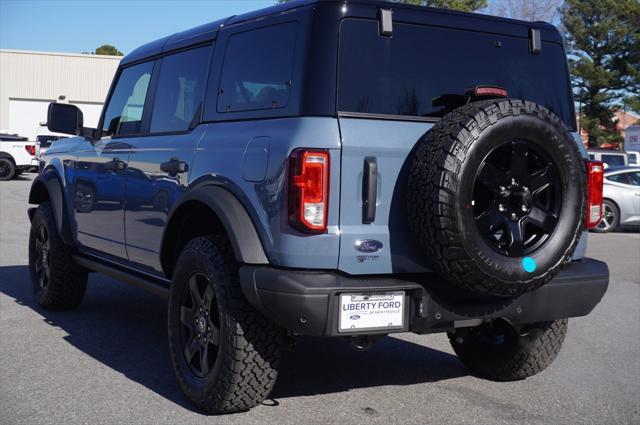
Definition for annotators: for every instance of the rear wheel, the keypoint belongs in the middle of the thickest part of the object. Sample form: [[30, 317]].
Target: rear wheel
[[224, 353], [503, 352], [610, 217], [7, 169]]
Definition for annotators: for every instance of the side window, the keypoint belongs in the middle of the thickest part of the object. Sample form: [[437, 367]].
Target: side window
[[634, 178], [592, 156], [619, 178], [257, 69], [124, 112], [178, 100]]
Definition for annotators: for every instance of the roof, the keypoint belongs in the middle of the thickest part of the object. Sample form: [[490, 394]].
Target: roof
[[74, 55], [609, 150], [618, 168], [4, 137], [209, 31]]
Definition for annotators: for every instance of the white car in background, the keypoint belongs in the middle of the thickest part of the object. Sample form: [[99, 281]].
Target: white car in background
[[634, 158], [45, 141], [17, 155], [609, 157], [621, 203]]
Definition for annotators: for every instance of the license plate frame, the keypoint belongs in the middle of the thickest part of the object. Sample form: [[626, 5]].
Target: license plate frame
[[371, 315]]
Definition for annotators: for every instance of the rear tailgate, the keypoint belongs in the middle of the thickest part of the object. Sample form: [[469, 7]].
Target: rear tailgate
[[386, 86], [389, 144]]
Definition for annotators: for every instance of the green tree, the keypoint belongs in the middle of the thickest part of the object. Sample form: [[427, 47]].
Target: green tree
[[465, 5], [109, 50], [604, 58]]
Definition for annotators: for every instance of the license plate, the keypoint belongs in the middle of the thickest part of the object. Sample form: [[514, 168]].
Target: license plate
[[378, 311]]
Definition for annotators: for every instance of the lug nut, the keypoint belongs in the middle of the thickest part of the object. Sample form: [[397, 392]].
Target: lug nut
[[501, 208], [513, 216], [206, 313], [513, 182], [524, 208]]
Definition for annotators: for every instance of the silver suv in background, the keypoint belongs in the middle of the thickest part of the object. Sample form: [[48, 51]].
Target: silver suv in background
[[621, 203]]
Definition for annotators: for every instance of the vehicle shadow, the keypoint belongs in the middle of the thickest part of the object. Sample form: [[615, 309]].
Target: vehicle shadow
[[125, 329]]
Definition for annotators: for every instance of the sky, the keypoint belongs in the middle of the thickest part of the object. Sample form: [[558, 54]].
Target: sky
[[77, 26]]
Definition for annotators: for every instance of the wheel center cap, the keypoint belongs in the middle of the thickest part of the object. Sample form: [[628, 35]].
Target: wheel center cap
[[202, 324], [516, 200]]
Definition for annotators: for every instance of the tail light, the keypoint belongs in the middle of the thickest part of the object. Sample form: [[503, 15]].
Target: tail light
[[31, 149], [595, 175], [309, 190], [488, 91]]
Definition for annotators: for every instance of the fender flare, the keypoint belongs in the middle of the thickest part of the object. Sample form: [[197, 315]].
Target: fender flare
[[233, 216], [47, 187], [7, 155]]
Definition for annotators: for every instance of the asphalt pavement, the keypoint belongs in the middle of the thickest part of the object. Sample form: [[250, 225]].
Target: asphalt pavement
[[107, 362]]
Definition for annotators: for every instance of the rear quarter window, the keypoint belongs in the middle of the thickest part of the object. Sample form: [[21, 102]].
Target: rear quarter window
[[257, 69], [402, 74], [618, 178]]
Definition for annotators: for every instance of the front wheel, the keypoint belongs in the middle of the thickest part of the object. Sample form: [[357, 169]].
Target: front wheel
[[224, 353], [502, 352], [58, 283]]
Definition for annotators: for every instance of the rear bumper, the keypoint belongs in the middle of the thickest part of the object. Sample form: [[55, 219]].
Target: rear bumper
[[307, 302]]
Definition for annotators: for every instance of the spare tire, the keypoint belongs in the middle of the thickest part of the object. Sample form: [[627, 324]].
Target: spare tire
[[496, 196]]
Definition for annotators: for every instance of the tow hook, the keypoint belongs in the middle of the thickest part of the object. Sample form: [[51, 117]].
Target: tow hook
[[364, 342]]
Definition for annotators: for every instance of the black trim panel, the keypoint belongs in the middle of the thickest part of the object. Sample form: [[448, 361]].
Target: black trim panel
[[156, 286], [307, 302]]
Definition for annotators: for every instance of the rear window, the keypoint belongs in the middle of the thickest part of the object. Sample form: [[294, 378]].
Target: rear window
[[401, 75], [257, 70], [612, 160]]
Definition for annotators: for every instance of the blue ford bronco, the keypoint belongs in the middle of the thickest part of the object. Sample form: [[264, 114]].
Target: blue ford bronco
[[330, 168]]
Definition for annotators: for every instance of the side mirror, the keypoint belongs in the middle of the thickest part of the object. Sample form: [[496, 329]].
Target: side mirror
[[64, 118]]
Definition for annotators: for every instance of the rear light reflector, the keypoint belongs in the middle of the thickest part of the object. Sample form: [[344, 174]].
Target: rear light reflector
[[309, 190], [595, 175], [31, 149]]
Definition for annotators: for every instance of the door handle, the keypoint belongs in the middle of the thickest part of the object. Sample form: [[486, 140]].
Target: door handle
[[174, 166], [116, 165], [369, 189]]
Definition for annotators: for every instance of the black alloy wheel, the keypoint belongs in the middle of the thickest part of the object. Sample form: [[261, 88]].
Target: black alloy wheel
[[7, 169], [610, 218], [497, 196], [516, 198], [56, 280], [200, 319], [42, 256]]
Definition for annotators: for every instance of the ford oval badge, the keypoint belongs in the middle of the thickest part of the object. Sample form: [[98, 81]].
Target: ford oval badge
[[354, 317], [369, 245]]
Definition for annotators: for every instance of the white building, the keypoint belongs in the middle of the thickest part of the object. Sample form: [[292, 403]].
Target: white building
[[30, 80]]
